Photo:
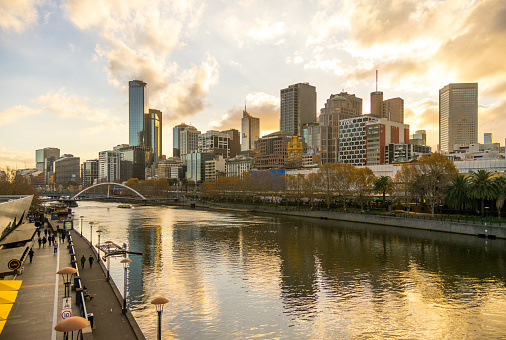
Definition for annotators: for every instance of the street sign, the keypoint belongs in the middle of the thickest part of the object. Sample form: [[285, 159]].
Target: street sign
[[14, 264], [66, 314], [66, 303]]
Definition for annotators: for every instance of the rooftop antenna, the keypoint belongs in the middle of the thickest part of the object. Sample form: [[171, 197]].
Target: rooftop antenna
[[376, 80]]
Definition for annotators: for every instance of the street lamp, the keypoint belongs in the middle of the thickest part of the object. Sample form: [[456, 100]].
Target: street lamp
[[91, 233], [67, 274], [81, 217], [72, 324], [108, 260], [99, 232], [125, 262], [159, 302]]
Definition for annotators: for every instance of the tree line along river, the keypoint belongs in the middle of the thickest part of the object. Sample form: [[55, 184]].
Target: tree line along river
[[232, 275]]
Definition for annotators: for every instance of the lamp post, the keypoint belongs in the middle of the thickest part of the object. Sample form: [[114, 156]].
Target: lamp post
[[81, 217], [67, 274], [108, 260], [125, 262], [72, 324], [159, 302], [99, 232], [91, 233]]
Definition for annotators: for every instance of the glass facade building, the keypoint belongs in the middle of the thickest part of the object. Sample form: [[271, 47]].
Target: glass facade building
[[138, 109], [298, 107], [155, 133]]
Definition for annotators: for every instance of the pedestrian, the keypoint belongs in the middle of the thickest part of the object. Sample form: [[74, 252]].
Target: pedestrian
[[44, 241], [91, 259], [38, 233], [30, 253], [63, 237], [45, 232], [40, 242], [50, 239], [83, 261]]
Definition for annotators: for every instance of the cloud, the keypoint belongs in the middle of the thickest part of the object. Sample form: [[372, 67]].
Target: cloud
[[259, 105], [491, 119], [264, 31], [17, 15], [137, 38], [68, 106], [106, 127], [424, 115], [16, 112], [15, 158]]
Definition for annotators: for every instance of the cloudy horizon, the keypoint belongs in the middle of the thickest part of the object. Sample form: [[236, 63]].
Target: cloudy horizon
[[66, 65]]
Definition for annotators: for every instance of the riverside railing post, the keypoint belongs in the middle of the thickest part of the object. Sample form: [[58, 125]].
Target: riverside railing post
[[159, 325]]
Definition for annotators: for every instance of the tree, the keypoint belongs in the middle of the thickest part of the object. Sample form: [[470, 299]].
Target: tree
[[310, 187], [482, 188], [384, 185], [434, 175], [363, 185], [294, 184], [405, 183], [458, 193], [328, 178], [500, 183], [344, 181]]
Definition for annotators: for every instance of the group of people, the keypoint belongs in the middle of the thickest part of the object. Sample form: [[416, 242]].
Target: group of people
[[90, 259]]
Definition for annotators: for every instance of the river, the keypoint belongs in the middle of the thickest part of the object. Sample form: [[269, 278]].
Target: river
[[232, 275]]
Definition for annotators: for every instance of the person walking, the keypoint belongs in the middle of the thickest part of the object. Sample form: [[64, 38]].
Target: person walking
[[83, 261], [45, 232], [40, 242], [44, 241], [91, 259], [50, 239], [38, 233], [55, 247], [30, 254]]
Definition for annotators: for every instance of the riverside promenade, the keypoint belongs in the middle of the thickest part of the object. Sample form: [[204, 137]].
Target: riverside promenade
[[38, 306]]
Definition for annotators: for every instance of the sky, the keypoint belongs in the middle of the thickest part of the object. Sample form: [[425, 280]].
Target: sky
[[65, 65]]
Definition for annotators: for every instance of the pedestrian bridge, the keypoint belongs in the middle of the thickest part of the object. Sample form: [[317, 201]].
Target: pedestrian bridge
[[109, 184]]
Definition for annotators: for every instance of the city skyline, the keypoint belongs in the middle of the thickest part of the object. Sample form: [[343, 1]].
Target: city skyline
[[66, 66]]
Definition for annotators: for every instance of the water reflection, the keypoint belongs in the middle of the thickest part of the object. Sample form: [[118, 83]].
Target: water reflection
[[234, 275]]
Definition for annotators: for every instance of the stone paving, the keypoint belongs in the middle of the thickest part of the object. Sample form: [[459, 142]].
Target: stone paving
[[38, 306]]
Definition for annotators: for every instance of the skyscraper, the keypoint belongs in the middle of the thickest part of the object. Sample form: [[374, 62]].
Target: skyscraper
[[393, 109], [458, 115], [138, 109], [250, 127], [155, 133], [488, 138], [298, 107]]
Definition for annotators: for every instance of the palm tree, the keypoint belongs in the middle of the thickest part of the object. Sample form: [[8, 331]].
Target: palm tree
[[482, 188], [500, 183], [458, 196], [383, 186]]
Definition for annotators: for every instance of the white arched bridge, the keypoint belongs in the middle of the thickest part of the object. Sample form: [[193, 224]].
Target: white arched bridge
[[109, 184]]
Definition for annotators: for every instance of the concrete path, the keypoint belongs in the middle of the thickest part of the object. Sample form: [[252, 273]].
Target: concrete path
[[38, 306]]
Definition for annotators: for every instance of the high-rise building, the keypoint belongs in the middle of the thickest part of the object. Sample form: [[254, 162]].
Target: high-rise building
[[377, 104], [89, 172], [44, 160], [176, 139], [155, 133], [272, 151], [458, 115], [109, 164], [67, 169], [215, 142], [188, 141], [138, 111], [338, 106], [234, 142], [488, 138], [379, 133], [298, 107], [250, 127], [393, 109], [419, 138], [133, 162]]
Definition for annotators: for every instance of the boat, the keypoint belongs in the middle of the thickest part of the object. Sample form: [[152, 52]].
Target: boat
[[127, 206]]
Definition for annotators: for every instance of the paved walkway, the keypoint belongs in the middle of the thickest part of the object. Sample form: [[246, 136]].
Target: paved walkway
[[38, 306]]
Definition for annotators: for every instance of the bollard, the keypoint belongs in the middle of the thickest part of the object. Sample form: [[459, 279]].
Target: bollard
[[90, 319]]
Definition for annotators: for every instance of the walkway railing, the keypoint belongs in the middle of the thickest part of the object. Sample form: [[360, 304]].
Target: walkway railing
[[78, 285]]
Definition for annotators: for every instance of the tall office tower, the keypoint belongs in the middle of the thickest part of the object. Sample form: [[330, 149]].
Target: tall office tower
[[393, 109], [298, 107], [458, 115], [188, 141], [377, 104], [176, 139], [488, 138], [250, 127], [215, 142], [234, 142], [67, 169], [138, 109], [44, 160], [337, 107], [108, 165], [89, 172], [155, 133]]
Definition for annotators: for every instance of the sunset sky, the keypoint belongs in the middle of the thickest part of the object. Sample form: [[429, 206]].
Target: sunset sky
[[65, 65]]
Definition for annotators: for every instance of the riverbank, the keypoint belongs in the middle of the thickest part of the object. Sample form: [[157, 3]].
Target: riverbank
[[421, 222]]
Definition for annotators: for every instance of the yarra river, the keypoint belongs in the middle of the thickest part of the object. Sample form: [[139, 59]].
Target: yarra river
[[233, 275]]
